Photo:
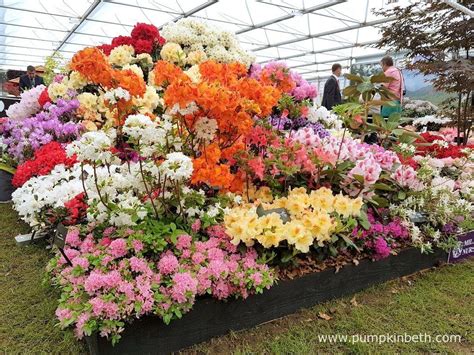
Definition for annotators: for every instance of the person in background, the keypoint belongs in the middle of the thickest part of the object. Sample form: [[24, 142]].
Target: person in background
[[30, 79], [332, 92], [395, 87]]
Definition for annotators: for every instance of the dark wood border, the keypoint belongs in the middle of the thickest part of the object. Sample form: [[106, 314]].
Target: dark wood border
[[211, 318]]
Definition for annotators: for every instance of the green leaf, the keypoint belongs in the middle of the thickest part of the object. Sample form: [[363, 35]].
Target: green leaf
[[349, 242], [353, 77], [7, 168], [358, 178], [365, 87], [363, 220], [350, 91], [380, 201], [383, 187], [381, 78], [402, 195]]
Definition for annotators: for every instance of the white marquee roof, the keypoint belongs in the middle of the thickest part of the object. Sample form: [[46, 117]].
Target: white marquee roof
[[309, 35]]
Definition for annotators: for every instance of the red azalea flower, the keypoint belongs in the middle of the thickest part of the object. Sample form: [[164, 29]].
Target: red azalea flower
[[143, 46], [76, 209], [43, 99], [106, 48], [408, 161], [145, 31], [122, 41], [44, 160]]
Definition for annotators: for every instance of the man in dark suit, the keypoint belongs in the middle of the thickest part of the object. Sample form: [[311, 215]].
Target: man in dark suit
[[30, 79], [332, 93]]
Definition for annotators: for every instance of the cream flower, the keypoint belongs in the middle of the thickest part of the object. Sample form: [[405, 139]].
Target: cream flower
[[172, 52], [121, 55]]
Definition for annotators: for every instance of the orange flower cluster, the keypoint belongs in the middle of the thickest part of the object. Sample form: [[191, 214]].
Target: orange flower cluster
[[227, 95], [224, 94], [165, 72], [93, 65], [208, 169]]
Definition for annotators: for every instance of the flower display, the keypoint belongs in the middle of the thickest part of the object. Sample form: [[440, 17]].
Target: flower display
[[184, 170], [418, 108]]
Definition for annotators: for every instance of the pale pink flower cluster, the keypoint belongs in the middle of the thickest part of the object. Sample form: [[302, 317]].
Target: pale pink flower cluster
[[369, 169], [115, 281], [406, 177], [28, 104]]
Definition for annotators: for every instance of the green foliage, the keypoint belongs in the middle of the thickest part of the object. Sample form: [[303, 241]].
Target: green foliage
[[54, 64]]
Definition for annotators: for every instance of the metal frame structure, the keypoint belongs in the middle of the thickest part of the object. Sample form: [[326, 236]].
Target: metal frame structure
[[298, 47]]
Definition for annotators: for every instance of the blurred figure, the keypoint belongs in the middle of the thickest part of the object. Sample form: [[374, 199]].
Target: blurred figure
[[30, 79], [332, 92], [395, 87]]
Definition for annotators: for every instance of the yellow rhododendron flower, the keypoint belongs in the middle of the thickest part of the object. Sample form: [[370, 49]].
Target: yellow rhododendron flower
[[121, 55], [57, 90], [298, 235], [172, 52], [196, 57], [76, 80], [194, 74], [343, 205], [310, 218], [264, 194]]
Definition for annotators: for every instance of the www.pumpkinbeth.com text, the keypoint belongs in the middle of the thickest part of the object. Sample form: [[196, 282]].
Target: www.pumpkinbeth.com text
[[389, 338]]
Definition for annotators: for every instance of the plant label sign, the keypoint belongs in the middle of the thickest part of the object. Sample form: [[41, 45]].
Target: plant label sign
[[464, 250], [60, 236]]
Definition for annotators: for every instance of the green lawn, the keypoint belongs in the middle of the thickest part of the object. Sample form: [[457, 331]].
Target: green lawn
[[433, 302]]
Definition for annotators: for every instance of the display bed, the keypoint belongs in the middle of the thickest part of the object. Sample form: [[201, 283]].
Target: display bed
[[210, 318]]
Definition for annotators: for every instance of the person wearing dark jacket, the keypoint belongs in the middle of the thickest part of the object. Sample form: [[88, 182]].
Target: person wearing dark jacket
[[30, 79], [332, 93]]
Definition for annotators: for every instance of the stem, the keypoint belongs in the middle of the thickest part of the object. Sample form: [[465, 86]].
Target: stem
[[97, 187], [82, 181], [146, 188], [338, 153]]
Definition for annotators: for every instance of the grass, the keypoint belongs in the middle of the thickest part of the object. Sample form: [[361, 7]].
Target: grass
[[433, 302]]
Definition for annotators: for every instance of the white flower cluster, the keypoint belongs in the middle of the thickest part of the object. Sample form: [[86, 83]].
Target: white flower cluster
[[425, 120], [41, 193], [200, 207], [205, 129], [405, 148], [94, 147], [199, 41], [416, 108], [324, 116], [150, 137], [188, 110], [177, 166], [114, 95], [117, 200]]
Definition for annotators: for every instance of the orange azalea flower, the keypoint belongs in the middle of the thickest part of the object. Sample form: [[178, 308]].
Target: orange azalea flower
[[92, 64], [129, 81], [165, 73], [227, 74]]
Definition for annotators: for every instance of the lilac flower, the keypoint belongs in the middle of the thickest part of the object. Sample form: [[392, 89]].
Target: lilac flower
[[55, 122], [287, 124]]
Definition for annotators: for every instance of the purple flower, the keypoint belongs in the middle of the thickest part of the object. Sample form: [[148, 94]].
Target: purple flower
[[55, 122]]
